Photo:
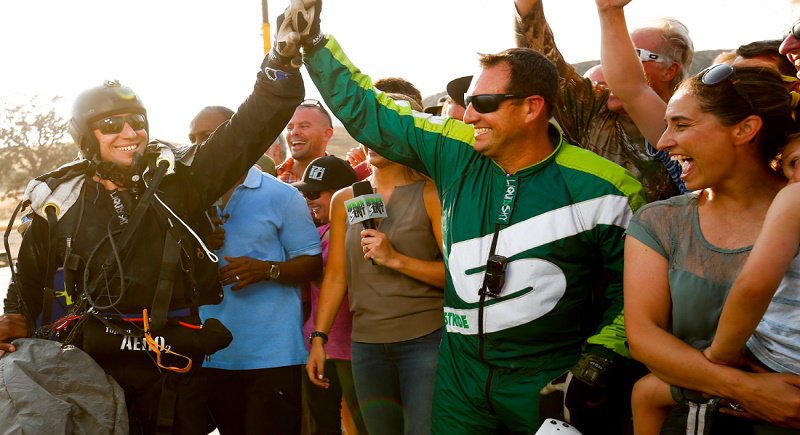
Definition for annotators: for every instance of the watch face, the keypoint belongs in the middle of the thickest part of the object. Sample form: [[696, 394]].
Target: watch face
[[274, 271]]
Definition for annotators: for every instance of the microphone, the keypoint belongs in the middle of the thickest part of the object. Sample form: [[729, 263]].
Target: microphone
[[166, 156], [365, 206]]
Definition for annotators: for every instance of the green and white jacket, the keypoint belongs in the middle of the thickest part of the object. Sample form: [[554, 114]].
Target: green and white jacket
[[564, 238]]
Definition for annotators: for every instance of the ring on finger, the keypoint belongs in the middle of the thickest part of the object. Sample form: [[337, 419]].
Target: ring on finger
[[237, 278], [736, 407]]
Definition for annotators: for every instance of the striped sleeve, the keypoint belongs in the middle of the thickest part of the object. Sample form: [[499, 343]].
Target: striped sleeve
[[387, 126]]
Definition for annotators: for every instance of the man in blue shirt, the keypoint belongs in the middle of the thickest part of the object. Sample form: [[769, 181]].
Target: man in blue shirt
[[271, 247]]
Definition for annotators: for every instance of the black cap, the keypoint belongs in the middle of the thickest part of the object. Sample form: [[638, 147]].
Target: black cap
[[457, 88], [326, 173]]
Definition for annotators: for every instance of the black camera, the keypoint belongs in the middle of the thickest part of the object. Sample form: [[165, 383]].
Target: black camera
[[495, 276]]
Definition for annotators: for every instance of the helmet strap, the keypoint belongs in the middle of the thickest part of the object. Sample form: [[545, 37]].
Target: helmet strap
[[128, 178]]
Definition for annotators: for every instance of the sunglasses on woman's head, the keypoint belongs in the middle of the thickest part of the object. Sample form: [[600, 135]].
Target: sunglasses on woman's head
[[115, 124], [488, 103], [721, 72]]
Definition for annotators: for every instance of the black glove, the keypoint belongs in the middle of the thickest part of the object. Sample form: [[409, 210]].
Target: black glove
[[306, 16], [284, 57], [584, 389]]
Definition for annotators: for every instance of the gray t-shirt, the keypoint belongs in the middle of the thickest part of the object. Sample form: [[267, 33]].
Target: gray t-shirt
[[700, 274]]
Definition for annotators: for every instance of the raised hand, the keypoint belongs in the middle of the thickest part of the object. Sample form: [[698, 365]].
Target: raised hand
[[306, 21], [285, 52], [610, 4]]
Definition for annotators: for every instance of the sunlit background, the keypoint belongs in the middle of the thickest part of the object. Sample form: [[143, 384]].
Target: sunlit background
[[181, 55]]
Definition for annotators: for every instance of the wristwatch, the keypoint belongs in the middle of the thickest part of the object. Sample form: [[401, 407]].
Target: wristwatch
[[274, 271], [321, 334]]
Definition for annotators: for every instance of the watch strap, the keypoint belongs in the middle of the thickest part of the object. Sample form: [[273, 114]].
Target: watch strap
[[321, 334]]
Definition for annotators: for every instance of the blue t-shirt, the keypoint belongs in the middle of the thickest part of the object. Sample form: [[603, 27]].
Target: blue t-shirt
[[267, 220]]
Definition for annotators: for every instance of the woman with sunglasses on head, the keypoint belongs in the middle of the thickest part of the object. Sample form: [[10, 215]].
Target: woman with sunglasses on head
[[393, 276], [724, 127]]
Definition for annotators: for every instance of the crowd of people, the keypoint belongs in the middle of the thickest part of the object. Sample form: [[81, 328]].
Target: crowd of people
[[618, 250]]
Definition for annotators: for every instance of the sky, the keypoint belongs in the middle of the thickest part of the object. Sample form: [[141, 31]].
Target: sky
[[182, 55]]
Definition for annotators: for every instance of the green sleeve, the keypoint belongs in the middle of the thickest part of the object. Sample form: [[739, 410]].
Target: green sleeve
[[438, 147]]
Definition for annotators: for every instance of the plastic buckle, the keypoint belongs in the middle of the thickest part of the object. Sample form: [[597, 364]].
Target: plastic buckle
[[275, 74]]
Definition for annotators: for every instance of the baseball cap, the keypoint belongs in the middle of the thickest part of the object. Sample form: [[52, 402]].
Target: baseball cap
[[457, 88], [326, 173], [436, 109]]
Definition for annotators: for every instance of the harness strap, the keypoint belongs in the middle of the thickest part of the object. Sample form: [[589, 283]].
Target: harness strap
[[166, 404], [163, 293], [157, 349], [49, 293]]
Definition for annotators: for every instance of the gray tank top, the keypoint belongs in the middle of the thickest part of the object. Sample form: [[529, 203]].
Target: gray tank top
[[387, 305]]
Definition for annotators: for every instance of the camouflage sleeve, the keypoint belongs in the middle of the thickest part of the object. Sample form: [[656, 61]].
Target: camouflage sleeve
[[579, 100]]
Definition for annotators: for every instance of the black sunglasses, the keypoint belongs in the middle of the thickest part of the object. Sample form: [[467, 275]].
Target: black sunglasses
[[310, 102], [115, 124], [311, 196], [488, 103], [718, 73], [794, 31]]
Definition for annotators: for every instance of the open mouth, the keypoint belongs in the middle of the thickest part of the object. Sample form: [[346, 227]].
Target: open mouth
[[686, 162]]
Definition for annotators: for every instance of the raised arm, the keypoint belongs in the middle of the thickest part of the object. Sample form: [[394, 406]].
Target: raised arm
[[755, 286], [624, 73], [236, 145], [580, 102], [533, 31]]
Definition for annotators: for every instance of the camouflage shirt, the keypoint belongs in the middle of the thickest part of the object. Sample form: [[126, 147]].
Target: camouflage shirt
[[584, 117]]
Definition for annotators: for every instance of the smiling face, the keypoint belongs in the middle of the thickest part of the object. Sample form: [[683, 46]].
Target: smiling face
[[790, 47], [496, 133], [118, 148], [307, 134], [321, 206], [698, 141]]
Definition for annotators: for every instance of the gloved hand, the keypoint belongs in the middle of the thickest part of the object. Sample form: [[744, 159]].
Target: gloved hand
[[285, 53], [583, 389], [306, 16]]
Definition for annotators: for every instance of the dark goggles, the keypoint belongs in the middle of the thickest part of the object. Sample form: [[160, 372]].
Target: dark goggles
[[719, 73], [115, 124], [311, 196], [488, 103]]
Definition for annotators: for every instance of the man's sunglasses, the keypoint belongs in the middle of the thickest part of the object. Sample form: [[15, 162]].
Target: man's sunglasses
[[311, 196], [794, 31], [115, 124], [488, 103], [649, 56], [310, 102], [719, 73]]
